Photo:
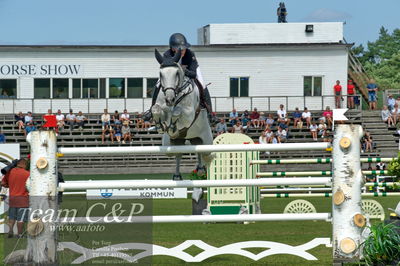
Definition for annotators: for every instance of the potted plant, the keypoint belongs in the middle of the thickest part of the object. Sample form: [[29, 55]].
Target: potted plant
[[394, 167], [382, 246]]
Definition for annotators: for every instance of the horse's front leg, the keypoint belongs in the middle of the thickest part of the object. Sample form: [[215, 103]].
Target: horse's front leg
[[177, 176]]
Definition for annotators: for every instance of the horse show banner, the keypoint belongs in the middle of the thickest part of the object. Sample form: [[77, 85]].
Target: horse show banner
[[154, 193], [8, 153]]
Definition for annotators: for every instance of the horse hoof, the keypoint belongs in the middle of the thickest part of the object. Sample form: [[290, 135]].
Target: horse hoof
[[177, 178]]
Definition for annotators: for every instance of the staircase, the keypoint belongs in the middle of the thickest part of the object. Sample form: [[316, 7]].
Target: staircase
[[358, 74], [386, 142]]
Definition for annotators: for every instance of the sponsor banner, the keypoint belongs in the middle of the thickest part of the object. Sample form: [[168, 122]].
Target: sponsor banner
[[154, 193]]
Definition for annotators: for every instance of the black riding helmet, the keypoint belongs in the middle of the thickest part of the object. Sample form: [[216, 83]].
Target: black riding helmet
[[178, 41]]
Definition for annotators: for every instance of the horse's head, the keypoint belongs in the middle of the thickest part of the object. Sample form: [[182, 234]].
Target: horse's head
[[171, 76]]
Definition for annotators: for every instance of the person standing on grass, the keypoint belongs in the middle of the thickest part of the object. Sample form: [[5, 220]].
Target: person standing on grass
[[372, 90], [337, 89], [15, 180]]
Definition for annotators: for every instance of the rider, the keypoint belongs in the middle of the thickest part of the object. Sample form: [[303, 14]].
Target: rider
[[190, 65]]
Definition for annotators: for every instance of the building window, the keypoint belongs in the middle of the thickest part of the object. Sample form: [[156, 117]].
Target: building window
[[239, 87], [76, 88], [41, 88], [8, 88], [312, 86], [151, 83], [116, 88], [90, 88], [135, 87], [60, 88]]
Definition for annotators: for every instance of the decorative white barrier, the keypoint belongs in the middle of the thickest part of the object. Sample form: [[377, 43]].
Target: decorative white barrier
[[146, 250], [110, 184]]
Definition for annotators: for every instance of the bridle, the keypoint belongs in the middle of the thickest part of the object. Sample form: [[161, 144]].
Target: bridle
[[178, 90]]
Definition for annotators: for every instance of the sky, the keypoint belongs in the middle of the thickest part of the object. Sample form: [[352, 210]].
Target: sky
[[151, 22]]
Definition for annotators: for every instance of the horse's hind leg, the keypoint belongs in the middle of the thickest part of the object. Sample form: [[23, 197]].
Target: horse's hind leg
[[177, 176]]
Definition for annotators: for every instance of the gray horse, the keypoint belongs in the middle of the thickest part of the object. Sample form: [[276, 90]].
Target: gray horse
[[177, 111]]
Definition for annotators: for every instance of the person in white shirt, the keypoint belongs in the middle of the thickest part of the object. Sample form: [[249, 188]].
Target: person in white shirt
[[306, 116], [80, 120], [313, 131], [71, 119], [281, 135], [395, 113], [60, 119], [282, 115], [124, 116], [28, 118], [105, 119]]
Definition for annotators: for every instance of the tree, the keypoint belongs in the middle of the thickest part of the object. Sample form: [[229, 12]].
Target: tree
[[381, 59]]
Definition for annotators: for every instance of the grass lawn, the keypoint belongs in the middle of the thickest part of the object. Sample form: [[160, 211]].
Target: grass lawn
[[170, 235]]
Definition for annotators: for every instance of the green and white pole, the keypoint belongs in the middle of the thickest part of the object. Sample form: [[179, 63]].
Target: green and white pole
[[326, 195], [316, 161], [315, 173]]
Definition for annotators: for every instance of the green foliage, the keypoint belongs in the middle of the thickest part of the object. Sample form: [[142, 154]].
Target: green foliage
[[394, 167], [381, 59], [382, 245]]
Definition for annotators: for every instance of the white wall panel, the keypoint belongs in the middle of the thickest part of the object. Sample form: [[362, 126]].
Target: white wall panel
[[23, 106], [41, 106], [115, 104], [62, 104], [6, 106], [223, 105], [97, 105], [134, 105], [80, 105]]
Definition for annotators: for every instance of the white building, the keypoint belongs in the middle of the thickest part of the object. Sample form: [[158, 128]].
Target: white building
[[249, 65]]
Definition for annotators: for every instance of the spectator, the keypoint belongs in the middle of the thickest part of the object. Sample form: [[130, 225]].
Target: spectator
[[29, 128], [246, 122], [126, 132], [372, 90], [395, 113], [60, 120], [270, 121], [281, 135], [282, 116], [387, 117], [221, 127], [118, 133], [28, 118], [20, 121], [350, 94], [245, 114], [321, 128], [15, 180], [140, 122], [390, 102], [237, 128], [147, 123], [327, 116], [80, 120], [270, 136], [116, 119], [2, 137], [71, 119], [398, 100], [125, 116], [306, 117], [255, 118], [313, 131], [105, 119], [337, 89], [367, 142], [263, 138], [297, 118], [233, 117], [107, 132], [262, 119]]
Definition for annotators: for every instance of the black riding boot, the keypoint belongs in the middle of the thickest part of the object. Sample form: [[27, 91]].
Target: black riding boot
[[147, 115]]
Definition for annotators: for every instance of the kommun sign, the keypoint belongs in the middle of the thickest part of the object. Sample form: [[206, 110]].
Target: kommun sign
[[154, 193], [40, 69]]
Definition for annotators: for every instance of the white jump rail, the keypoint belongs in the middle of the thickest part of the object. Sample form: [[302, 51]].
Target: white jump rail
[[203, 218], [119, 184], [192, 149]]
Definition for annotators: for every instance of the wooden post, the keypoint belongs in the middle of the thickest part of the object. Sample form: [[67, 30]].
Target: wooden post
[[347, 181], [42, 186]]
